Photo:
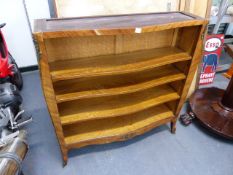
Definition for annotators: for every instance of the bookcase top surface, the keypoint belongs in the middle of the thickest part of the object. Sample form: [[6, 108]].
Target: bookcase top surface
[[115, 24]]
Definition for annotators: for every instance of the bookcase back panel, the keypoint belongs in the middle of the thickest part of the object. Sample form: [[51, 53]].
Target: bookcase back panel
[[135, 42], [77, 47], [81, 47]]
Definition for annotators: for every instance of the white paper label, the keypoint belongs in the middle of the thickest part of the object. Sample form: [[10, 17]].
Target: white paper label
[[138, 30]]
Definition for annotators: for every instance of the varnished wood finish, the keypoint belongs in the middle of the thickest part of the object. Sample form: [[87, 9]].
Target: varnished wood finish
[[229, 50], [229, 73], [116, 129], [197, 54], [227, 100], [113, 80], [114, 106], [50, 96], [116, 64], [115, 85], [114, 25], [60, 49], [207, 105]]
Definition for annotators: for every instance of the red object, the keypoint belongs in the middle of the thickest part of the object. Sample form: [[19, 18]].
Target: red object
[[213, 48], [5, 67]]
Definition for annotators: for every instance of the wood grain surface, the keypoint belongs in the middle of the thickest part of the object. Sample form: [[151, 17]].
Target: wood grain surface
[[82, 88], [110, 78], [113, 25], [229, 50], [49, 94], [65, 48], [116, 64], [197, 50], [116, 129], [113, 106]]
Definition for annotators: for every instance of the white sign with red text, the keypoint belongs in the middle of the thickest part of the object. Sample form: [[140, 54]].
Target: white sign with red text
[[213, 48]]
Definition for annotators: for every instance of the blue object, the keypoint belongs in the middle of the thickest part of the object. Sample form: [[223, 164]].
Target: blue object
[[210, 60]]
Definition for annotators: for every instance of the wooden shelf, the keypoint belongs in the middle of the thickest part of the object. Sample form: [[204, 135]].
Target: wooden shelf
[[115, 85], [106, 107], [115, 129], [116, 64]]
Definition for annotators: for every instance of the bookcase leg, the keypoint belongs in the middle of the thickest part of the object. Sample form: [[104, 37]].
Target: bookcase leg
[[173, 126], [65, 157]]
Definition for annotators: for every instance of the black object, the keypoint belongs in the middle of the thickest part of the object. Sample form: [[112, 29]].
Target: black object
[[10, 97], [2, 25], [187, 118]]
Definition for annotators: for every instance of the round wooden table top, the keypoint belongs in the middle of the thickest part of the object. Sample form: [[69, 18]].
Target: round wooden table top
[[206, 105]]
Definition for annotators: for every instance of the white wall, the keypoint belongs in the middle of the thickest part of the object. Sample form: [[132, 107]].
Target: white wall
[[17, 31], [37, 9], [70, 8]]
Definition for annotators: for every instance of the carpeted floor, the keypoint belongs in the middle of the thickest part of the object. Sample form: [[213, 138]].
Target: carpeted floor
[[191, 151]]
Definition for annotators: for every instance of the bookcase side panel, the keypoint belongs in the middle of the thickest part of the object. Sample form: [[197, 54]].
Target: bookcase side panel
[[197, 53], [50, 96]]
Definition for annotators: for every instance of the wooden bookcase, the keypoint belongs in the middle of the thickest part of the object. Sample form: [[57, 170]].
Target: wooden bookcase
[[110, 78]]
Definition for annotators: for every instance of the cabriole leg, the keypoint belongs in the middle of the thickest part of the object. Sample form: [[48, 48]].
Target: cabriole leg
[[173, 126]]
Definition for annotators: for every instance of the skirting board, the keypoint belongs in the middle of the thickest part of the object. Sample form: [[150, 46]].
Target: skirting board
[[28, 68]]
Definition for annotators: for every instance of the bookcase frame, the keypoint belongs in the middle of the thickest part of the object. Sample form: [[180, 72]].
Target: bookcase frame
[[111, 78]]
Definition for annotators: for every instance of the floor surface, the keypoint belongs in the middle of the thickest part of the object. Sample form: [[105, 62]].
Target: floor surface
[[191, 151]]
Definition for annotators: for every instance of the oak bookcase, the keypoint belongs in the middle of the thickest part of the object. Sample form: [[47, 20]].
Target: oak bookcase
[[110, 78]]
